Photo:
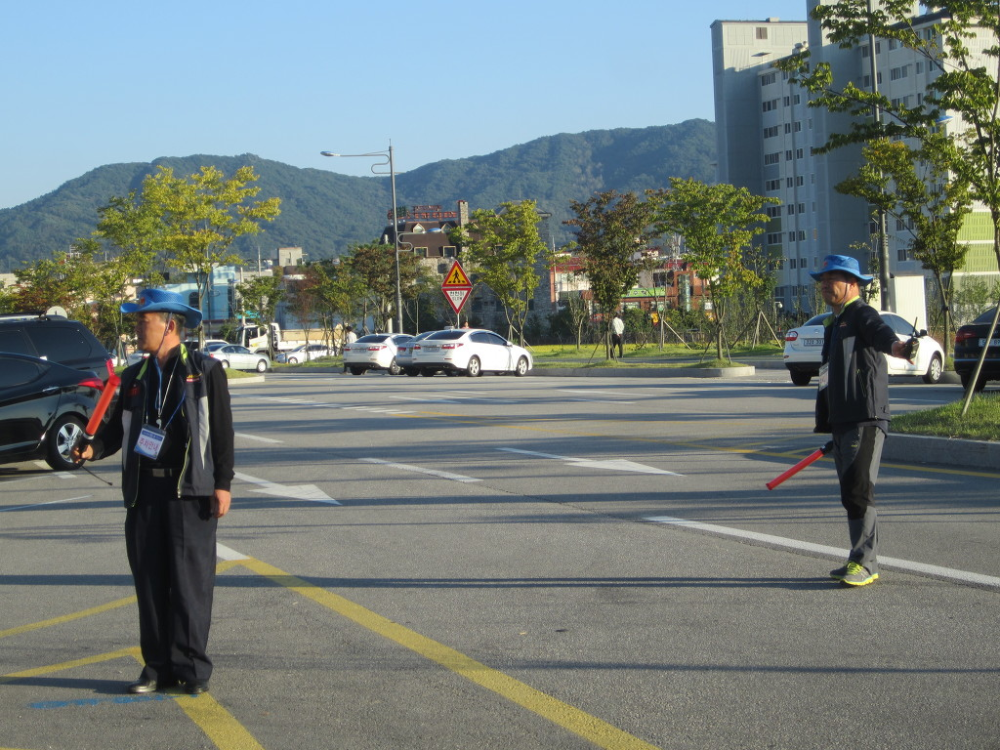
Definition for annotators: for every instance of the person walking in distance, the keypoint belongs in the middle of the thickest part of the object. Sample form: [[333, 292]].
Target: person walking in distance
[[617, 335], [349, 338], [853, 404], [173, 423]]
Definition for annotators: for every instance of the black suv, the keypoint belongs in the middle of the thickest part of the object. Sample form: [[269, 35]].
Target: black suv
[[55, 338]]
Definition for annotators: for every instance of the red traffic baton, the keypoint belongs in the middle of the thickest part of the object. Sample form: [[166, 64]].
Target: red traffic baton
[[102, 406], [816, 455]]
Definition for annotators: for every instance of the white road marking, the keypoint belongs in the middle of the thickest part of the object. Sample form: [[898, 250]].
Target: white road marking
[[422, 470], [950, 574], [227, 553], [616, 464], [258, 438], [47, 502], [293, 491]]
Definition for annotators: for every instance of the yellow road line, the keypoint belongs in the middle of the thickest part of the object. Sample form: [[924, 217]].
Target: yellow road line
[[68, 618], [217, 723], [72, 664], [222, 566], [573, 719], [211, 718]]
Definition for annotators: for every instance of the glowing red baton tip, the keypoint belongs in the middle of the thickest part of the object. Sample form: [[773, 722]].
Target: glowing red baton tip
[[816, 455], [102, 406]]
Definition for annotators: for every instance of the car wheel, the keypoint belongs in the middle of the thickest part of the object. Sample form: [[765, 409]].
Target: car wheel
[[966, 378], [800, 378], [522, 367], [934, 370], [292, 361], [412, 371], [262, 365], [394, 369], [428, 373], [357, 371], [475, 368], [62, 436], [225, 365]]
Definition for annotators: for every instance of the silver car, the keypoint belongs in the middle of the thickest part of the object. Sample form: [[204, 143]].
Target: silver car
[[241, 358]]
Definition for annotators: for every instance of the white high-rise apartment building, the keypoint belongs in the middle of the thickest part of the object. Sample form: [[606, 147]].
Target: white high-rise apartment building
[[766, 133]]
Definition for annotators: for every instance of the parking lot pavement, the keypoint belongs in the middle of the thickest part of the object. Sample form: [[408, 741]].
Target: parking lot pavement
[[517, 562]]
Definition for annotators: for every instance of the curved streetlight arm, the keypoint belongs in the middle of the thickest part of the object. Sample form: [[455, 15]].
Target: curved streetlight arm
[[395, 220]]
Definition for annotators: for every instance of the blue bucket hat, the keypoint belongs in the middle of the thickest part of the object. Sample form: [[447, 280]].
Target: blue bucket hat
[[844, 263], [160, 300]]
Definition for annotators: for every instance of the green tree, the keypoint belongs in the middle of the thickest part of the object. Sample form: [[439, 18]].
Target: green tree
[[718, 223], [504, 248], [913, 185], [260, 296], [612, 230], [375, 263], [197, 218]]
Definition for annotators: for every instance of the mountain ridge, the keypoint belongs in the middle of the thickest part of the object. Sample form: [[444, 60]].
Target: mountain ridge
[[325, 212]]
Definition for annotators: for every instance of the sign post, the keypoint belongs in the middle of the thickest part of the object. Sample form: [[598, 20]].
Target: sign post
[[456, 287]]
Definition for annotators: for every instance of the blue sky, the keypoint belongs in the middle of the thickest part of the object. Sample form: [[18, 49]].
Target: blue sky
[[91, 83]]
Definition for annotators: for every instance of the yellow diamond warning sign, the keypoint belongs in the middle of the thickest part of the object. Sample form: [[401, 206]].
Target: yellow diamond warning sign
[[456, 277], [456, 287]]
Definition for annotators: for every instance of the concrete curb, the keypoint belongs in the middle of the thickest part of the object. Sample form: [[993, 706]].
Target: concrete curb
[[965, 454], [255, 380]]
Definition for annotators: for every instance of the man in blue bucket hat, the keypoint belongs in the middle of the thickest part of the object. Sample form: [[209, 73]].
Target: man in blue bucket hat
[[174, 426], [853, 404]]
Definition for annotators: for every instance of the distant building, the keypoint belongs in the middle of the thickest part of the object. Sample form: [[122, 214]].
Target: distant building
[[767, 133]]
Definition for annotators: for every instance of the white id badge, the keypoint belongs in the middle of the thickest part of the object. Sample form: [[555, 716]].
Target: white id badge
[[150, 442], [824, 377]]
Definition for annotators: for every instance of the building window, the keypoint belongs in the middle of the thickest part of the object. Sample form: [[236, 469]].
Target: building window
[[762, 32], [420, 252], [797, 126], [770, 105], [768, 79], [771, 185], [771, 132], [449, 251], [772, 158], [799, 153]]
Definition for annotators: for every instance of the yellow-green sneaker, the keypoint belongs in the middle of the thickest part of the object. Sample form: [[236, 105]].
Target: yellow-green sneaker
[[858, 575]]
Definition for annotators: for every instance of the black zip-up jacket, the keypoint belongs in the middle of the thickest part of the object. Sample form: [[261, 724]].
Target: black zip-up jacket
[[853, 344], [205, 418]]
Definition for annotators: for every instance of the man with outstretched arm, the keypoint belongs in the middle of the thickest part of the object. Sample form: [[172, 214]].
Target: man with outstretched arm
[[854, 395]]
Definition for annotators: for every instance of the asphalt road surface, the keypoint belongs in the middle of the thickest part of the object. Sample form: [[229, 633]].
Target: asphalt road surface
[[520, 563]]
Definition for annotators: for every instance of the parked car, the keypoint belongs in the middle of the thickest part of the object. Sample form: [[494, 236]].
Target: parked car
[[240, 358], [405, 353], [969, 342], [804, 350], [55, 338], [472, 351], [44, 407], [376, 351], [194, 345], [303, 353]]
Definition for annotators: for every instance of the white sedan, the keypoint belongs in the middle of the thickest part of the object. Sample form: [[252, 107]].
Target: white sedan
[[804, 350], [472, 351], [304, 353], [376, 351], [241, 358]]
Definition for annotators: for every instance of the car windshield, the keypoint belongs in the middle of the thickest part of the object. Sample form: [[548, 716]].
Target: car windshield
[[373, 338], [448, 335], [816, 320]]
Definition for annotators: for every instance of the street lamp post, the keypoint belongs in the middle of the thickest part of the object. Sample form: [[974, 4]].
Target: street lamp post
[[395, 222]]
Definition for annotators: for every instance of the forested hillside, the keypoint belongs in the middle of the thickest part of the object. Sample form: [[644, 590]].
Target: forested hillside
[[325, 213]]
